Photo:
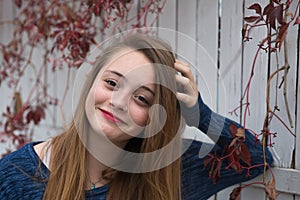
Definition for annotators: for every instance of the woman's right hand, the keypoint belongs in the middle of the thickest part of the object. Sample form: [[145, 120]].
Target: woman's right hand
[[189, 93]]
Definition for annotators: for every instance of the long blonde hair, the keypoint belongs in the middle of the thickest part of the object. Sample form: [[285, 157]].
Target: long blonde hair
[[69, 156]]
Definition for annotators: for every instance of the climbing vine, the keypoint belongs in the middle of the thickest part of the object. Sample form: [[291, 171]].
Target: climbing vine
[[276, 18], [63, 32]]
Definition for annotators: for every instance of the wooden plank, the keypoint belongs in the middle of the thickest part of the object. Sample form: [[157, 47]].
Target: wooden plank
[[297, 117], [231, 75], [284, 142], [186, 36], [229, 83], [250, 193], [207, 26], [190, 49], [257, 89], [167, 23], [206, 50], [287, 180], [230, 57], [225, 194], [297, 113], [285, 196], [257, 94]]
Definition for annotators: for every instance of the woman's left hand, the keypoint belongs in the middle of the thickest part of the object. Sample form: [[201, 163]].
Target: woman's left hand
[[189, 93]]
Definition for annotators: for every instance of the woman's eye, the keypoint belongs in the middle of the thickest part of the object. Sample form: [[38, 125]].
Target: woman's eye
[[142, 99], [111, 83]]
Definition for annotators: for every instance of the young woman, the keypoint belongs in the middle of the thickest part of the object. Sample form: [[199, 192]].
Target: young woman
[[125, 138]]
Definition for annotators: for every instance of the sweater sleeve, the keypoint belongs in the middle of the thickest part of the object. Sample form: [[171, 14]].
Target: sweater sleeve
[[217, 128], [196, 180]]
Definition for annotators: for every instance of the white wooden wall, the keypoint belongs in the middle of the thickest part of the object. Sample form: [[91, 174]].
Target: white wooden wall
[[222, 74], [227, 76]]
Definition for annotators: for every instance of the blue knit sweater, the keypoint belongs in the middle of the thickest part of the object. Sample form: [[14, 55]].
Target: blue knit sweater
[[21, 177]]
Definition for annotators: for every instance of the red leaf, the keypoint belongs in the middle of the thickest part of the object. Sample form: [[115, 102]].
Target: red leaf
[[278, 13], [268, 9], [35, 115], [40, 111], [245, 154], [297, 21], [275, 13], [252, 19], [18, 3], [62, 24], [237, 132], [29, 116], [233, 129], [256, 7], [236, 194], [270, 189], [217, 172]]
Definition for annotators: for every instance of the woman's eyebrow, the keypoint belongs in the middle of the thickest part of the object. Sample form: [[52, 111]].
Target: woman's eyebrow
[[122, 76], [116, 73], [148, 89]]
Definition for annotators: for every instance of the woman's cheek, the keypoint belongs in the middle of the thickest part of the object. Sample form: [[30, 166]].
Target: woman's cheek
[[139, 115], [99, 94]]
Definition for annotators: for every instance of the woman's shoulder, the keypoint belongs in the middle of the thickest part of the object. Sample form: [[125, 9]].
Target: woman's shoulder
[[22, 161], [23, 155], [18, 172], [16, 161]]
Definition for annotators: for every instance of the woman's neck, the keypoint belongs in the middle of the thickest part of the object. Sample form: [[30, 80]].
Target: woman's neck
[[95, 171]]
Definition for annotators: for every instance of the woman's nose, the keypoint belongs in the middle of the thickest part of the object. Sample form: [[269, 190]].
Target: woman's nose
[[120, 99]]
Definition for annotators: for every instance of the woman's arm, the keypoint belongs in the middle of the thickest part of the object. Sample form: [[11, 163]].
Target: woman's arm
[[236, 157], [208, 169], [196, 113]]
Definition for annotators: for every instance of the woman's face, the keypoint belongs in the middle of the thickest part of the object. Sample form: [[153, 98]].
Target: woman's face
[[119, 100]]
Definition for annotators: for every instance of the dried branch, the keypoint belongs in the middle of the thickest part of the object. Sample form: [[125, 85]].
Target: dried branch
[[287, 67]]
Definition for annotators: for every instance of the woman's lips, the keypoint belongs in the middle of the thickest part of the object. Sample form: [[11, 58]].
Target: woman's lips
[[111, 117]]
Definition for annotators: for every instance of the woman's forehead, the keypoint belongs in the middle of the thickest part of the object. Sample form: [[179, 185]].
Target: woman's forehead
[[130, 63], [129, 57]]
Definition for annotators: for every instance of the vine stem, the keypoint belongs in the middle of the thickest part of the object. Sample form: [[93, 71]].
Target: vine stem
[[295, 13], [265, 126], [287, 66], [25, 67], [269, 85], [291, 132], [38, 75], [247, 90]]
